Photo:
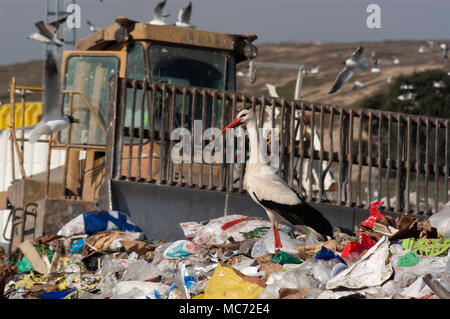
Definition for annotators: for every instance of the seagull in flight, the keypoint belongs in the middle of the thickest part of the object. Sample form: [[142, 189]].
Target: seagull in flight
[[315, 69], [376, 66], [407, 96], [406, 87], [19, 92], [356, 63], [47, 33], [438, 84], [422, 49], [158, 16], [445, 49], [357, 84], [92, 27], [184, 17], [47, 126]]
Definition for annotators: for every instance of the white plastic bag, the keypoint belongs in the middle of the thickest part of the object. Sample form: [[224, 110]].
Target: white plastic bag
[[219, 230], [441, 221], [266, 244]]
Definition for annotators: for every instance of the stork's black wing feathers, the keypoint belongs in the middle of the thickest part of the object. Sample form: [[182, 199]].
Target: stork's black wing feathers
[[301, 214]]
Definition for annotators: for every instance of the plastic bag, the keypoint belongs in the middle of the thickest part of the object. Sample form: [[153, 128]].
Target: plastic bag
[[441, 221], [144, 289], [370, 271], [77, 246], [353, 249], [407, 271], [219, 230], [140, 270], [311, 274], [181, 249], [374, 215], [265, 245], [228, 283], [326, 254], [285, 258], [96, 221]]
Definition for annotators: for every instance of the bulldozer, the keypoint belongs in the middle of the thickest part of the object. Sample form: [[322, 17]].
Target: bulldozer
[[126, 49]]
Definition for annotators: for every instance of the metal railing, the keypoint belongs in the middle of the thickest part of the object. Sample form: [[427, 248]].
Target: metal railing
[[401, 159], [17, 143]]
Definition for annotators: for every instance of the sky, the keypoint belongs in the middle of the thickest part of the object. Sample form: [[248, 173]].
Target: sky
[[271, 20]]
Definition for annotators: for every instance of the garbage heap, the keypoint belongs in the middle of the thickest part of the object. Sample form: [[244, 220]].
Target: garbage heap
[[104, 255]]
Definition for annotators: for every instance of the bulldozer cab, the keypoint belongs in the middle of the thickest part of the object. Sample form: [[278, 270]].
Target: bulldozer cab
[[140, 51]]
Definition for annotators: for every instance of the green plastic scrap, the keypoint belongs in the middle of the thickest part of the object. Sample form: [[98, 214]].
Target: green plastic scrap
[[427, 247], [256, 233], [285, 258], [409, 260], [24, 265]]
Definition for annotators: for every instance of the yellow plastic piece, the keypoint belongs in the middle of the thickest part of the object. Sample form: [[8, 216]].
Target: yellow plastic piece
[[30, 280], [227, 284], [32, 111]]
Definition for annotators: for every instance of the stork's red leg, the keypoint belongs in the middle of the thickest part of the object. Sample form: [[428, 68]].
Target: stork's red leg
[[276, 235]]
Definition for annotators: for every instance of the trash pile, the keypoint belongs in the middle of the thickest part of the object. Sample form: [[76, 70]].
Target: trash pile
[[104, 255]]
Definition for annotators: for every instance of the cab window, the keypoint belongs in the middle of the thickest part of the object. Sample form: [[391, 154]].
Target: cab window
[[90, 75]]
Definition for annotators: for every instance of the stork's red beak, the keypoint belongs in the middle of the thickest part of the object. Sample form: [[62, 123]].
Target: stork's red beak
[[234, 123]]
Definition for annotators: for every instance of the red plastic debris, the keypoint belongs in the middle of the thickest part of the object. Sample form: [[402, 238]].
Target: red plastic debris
[[355, 248], [374, 215]]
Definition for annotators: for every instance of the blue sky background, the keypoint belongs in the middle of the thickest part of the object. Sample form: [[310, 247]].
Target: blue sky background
[[272, 20]]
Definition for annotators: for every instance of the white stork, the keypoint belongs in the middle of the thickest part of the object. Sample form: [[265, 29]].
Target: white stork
[[269, 191]]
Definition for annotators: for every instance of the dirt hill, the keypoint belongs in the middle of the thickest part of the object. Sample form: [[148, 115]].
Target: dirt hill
[[27, 74], [327, 56]]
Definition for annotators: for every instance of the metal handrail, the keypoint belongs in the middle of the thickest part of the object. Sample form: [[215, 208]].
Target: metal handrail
[[15, 144]]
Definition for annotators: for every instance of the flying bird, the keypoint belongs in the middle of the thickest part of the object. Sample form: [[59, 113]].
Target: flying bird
[[271, 192], [92, 27], [357, 84], [406, 87], [407, 96], [356, 63], [19, 92], [422, 49], [396, 60], [158, 15], [445, 48], [47, 126], [184, 17], [315, 69], [250, 73], [438, 84], [47, 33], [376, 66]]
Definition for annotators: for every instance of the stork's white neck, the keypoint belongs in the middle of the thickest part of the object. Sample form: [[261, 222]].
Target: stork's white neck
[[255, 153]]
